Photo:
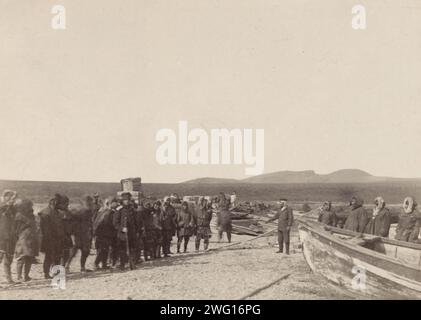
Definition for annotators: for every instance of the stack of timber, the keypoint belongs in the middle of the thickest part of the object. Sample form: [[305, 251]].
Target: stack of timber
[[244, 224]]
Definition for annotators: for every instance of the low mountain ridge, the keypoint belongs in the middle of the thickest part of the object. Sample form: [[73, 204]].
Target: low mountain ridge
[[306, 176]]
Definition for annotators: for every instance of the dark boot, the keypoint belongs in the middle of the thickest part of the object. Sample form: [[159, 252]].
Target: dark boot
[[197, 243], [72, 253], [178, 246], [186, 242], [280, 247], [167, 250], [153, 252], [65, 257], [27, 269], [97, 261], [132, 264], [83, 258], [158, 252], [287, 248], [8, 273], [19, 268], [206, 245], [9, 279]]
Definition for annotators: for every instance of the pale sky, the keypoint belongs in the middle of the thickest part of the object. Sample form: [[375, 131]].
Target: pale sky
[[85, 103]]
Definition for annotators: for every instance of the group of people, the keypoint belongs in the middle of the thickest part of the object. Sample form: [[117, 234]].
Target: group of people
[[124, 231], [378, 220], [121, 230]]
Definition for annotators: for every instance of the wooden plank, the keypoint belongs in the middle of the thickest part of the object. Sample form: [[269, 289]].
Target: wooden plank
[[241, 242]]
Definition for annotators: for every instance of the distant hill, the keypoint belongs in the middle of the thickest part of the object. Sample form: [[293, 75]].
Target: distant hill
[[209, 180], [284, 177], [308, 176]]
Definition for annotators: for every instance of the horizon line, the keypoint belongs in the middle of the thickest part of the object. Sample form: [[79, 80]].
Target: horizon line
[[241, 180]]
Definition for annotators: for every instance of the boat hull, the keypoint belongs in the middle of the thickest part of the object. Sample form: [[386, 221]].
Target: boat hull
[[359, 270]]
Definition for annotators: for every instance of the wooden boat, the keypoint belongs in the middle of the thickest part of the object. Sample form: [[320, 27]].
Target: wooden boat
[[371, 266]]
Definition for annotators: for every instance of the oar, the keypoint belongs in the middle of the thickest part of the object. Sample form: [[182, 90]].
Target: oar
[[265, 287]]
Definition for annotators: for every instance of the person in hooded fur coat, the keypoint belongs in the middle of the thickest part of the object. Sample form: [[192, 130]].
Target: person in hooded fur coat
[[224, 222], [202, 217], [408, 227], [68, 223], [184, 226], [7, 232], [357, 218], [27, 239], [157, 227], [103, 230], [327, 215], [52, 235], [379, 222], [168, 226], [82, 233], [149, 235]]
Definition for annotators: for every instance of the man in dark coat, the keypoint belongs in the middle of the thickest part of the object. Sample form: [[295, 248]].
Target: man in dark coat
[[126, 226], [114, 250], [83, 233], [409, 223], [52, 235], [7, 232], [327, 215], [68, 222], [149, 237], [97, 203], [168, 226], [103, 230], [201, 220], [357, 218], [285, 220], [184, 226], [27, 239], [140, 232], [157, 227], [379, 222]]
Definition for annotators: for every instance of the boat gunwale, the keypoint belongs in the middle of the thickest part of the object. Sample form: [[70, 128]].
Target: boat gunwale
[[399, 243], [395, 242]]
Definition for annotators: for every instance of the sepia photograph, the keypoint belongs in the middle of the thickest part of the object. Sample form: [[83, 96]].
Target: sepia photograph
[[210, 150]]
